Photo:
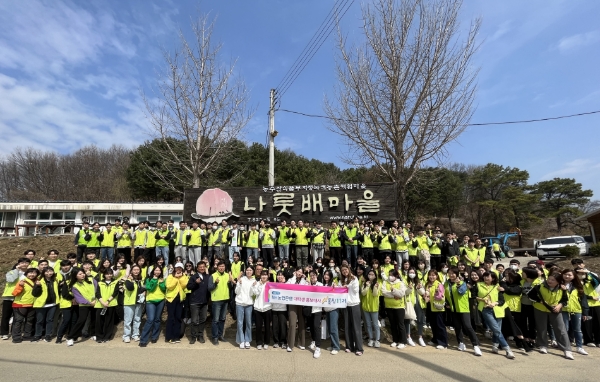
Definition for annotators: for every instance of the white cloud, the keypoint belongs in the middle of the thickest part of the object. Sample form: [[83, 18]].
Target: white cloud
[[567, 44], [573, 168]]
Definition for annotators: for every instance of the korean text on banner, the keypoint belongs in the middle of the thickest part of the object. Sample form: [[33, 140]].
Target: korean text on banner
[[306, 295]]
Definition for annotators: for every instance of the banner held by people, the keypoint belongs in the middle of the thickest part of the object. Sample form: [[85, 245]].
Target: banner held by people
[[306, 295]]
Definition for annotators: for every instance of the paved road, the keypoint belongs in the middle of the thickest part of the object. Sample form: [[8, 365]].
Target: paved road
[[116, 361]]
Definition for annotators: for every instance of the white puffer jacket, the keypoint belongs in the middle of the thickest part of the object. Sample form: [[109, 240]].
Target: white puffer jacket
[[258, 292], [243, 289]]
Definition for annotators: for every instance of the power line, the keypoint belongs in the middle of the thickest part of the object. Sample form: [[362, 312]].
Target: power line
[[470, 124], [313, 46]]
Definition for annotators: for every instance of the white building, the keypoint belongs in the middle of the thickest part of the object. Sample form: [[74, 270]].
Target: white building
[[31, 218]]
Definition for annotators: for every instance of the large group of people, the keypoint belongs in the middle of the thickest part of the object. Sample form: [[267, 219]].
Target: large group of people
[[396, 278]]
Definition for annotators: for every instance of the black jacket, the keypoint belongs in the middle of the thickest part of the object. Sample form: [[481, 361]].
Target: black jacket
[[199, 291], [450, 249]]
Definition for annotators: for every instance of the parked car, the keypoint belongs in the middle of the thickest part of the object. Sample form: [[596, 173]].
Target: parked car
[[550, 246]]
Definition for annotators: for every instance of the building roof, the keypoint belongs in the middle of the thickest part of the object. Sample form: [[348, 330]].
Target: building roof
[[588, 215], [88, 206]]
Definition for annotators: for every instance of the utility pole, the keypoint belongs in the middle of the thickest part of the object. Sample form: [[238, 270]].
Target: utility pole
[[272, 135]]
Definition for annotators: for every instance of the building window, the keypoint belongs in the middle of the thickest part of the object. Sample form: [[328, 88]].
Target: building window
[[152, 217]]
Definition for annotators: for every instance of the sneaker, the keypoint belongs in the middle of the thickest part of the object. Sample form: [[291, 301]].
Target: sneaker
[[93, 338], [394, 344], [69, 342], [58, 340], [477, 351], [275, 346], [126, 340], [242, 345], [359, 353], [401, 346], [266, 347], [177, 341], [543, 350], [377, 344], [136, 339], [289, 349], [5, 337], [411, 342], [371, 343], [440, 347], [581, 351], [259, 347], [334, 352], [509, 354], [430, 343], [201, 339], [35, 339], [510, 338], [462, 347], [172, 342], [47, 339], [451, 328], [301, 347], [317, 353], [143, 344], [569, 355], [247, 345], [312, 345], [422, 342], [214, 341], [554, 344], [488, 334], [495, 348], [590, 344]]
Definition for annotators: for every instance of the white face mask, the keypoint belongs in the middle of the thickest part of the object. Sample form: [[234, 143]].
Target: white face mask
[[331, 265], [514, 267], [392, 278], [444, 270], [215, 227], [411, 275], [384, 231]]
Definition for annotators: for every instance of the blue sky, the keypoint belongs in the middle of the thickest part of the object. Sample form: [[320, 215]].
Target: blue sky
[[71, 74]]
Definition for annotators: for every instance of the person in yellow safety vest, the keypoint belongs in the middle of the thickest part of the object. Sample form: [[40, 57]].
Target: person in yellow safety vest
[[335, 243], [96, 237], [549, 299], [400, 244], [435, 298], [366, 239], [162, 237], [68, 311], [251, 237], [124, 239], [457, 297], [215, 237], [470, 255], [435, 250], [482, 249], [317, 236], [24, 314], [413, 251], [490, 299], [351, 237], [225, 239], [12, 279], [268, 237], [283, 240], [81, 240], [30, 255], [234, 238], [488, 265], [384, 242], [180, 242], [194, 240], [451, 250], [300, 234], [140, 236], [423, 242], [219, 292], [590, 282], [53, 261], [107, 245], [45, 304]]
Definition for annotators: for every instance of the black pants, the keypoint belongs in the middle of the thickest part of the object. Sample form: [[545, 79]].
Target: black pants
[[314, 323], [462, 323], [435, 261], [335, 253], [23, 324], [198, 312], [105, 323], [353, 328], [438, 329], [7, 313], [280, 327], [150, 255], [262, 319], [80, 253], [137, 252], [591, 328], [174, 315], [267, 255], [527, 323], [84, 312], [292, 253], [367, 254], [396, 317], [69, 319], [127, 253], [414, 261]]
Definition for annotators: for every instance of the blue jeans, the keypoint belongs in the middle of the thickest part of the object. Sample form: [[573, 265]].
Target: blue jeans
[[233, 249], [219, 312], [494, 324], [372, 323], [351, 254], [251, 252], [152, 326], [284, 251], [107, 253], [332, 324], [574, 321], [132, 314], [164, 252], [244, 324], [44, 319]]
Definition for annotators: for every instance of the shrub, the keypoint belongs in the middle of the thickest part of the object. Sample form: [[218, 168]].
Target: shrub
[[595, 250], [570, 251]]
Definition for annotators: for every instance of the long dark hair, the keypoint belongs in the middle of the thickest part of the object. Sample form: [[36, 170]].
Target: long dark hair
[[330, 274], [139, 276], [73, 279], [53, 273], [575, 282]]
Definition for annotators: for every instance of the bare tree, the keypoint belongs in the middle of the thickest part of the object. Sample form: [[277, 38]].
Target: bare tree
[[200, 107], [407, 91]]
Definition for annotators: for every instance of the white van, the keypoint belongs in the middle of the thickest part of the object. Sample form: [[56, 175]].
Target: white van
[[550, 246]]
